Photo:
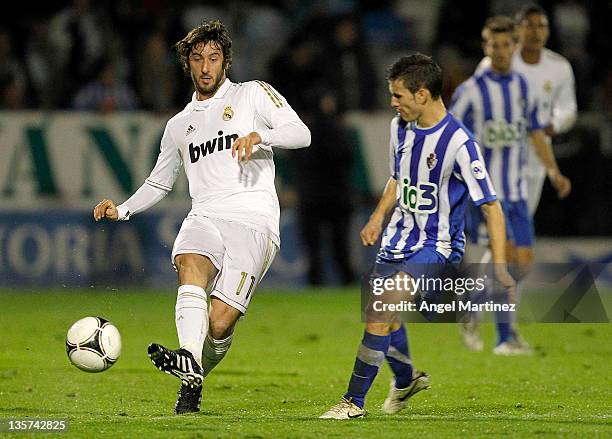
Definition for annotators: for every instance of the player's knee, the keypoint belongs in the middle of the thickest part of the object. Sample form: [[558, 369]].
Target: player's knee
[[193, 269], [221, 328], [378, 328]]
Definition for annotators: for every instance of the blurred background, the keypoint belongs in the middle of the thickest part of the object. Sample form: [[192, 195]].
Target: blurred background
[[86, 88]]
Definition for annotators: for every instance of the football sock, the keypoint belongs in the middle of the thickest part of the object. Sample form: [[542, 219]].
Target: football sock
[[370, 356], [191, 319], [505, 319], [398, 357], [213, 352]]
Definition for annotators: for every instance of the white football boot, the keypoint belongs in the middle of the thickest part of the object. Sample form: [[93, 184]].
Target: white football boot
[[470, 333], [345, 409], [397, 400]]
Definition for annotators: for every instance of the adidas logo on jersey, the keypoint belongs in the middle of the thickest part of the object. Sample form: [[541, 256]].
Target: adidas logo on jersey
[[218, 144], [190, 130]]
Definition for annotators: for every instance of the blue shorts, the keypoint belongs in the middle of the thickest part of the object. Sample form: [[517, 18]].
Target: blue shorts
[[519, 225], [425, 261], [428, 264]]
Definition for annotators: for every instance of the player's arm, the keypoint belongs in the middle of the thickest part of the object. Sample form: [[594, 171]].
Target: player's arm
[[470, 168], [279, 125], [565, 109], [154, 189], [496, 229], [545, 153], [372, 230]]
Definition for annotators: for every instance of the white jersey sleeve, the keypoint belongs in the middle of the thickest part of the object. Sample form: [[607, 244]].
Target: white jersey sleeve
[[278, 124], [159, 182], [472, 171], [565, 109]]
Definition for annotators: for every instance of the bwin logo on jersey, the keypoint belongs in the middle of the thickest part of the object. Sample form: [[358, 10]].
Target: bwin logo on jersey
[[218, 144]]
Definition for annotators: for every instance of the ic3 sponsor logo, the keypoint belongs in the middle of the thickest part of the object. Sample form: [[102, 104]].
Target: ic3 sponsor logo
[[210, 146], [421, 198]]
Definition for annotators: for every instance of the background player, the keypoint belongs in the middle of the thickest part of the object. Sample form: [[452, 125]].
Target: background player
[[432, 155], [551, 81], [224, 139], [498, 106]]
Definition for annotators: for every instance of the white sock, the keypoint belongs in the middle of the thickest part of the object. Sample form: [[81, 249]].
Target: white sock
[[214, 351], [191, 319]]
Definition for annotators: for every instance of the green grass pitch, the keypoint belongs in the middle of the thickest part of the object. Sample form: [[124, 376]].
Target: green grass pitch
[[290, 361]]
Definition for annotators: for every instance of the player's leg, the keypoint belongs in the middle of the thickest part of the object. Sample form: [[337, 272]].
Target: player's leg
[[195, 272], [398, 355], [520, 260], [223, 319], [196, 256], [248, 256], [374, 345], [524, 262], [406, 381], [477, 251]]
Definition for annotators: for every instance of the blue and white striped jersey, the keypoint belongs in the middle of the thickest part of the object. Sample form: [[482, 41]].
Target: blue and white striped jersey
[[498, 109], [435, 169]]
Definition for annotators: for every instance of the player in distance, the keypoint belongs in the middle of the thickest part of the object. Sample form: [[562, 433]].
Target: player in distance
[[499, 107]]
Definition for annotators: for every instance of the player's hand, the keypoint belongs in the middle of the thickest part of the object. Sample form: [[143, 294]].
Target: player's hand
[[549, 130], [561, 183], [371, 231], [504, 278], [106, 209], [243, 146]]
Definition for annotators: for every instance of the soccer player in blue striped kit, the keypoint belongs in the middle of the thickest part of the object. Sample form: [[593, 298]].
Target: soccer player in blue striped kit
[[435, 164], [497, 105]]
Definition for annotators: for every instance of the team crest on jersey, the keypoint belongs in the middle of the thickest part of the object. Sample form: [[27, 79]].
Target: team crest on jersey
[[478, 170], [432, 160], [548, 86], [228, 113]]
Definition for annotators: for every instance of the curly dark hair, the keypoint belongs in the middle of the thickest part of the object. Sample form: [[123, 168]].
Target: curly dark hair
[[213, 31]]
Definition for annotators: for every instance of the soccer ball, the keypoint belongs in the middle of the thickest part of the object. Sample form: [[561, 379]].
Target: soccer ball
[[93, 344]]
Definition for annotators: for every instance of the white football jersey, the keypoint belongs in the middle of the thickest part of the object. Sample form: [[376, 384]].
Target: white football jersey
[[551, 81], [200, 138]]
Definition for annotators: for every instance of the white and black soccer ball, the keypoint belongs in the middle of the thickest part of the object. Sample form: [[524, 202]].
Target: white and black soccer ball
[[93, 344]]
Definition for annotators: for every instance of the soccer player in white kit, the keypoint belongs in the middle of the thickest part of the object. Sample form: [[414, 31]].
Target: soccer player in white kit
[[223, 139]]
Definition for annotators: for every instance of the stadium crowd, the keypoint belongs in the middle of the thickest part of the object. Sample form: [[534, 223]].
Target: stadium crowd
[[116, 55]]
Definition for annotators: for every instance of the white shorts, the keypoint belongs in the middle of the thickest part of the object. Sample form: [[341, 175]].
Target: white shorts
[[242, 255]]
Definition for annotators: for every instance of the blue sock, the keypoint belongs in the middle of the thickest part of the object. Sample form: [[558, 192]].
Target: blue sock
[[504, 332], [398, 358], [503, 323], [503, 320], [370, 356]]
